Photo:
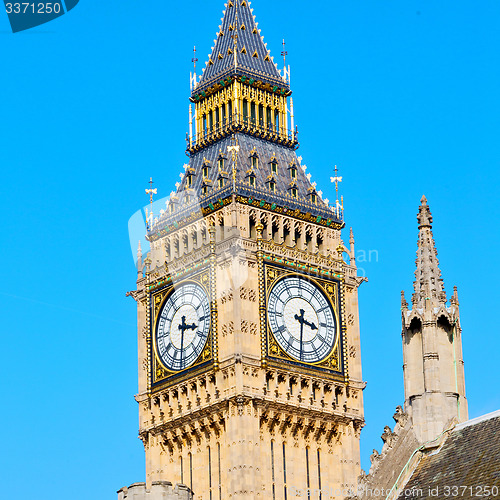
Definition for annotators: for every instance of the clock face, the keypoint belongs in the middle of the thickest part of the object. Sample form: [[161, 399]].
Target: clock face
[[183, 326], [302, 319]]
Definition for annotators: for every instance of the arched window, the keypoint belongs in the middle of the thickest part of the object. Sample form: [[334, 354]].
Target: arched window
[[219, 470], [273, 478], [284, 472], [209, 472], [190, 470], [319, 474], [245, 110], [308, 476], [210, 121]]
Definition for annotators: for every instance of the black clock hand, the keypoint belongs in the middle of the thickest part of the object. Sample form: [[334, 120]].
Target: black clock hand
[[183, 327], [301, 320], [182, 345], [301, 336]]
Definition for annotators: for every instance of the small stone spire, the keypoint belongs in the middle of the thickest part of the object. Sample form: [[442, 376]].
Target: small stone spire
[[428, 284], [404, 304], [432, 344], [139, 259], [351, 243]]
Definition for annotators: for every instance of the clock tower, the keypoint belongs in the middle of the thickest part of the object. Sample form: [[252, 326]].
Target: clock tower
[[250, 379]]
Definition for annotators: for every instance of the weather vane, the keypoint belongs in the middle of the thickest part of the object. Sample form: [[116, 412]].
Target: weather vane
[[151, 191], [337, 179], [284, 53], [194, 60]]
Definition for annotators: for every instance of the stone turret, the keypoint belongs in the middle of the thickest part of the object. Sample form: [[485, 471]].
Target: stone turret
[[433, 372], [160, 490], [432, 343]]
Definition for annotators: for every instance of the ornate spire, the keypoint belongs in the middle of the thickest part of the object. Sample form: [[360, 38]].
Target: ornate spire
[[424, 216], [428, 284], [239, 49]]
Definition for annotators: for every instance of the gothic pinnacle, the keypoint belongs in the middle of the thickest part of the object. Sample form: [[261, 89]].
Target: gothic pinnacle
[[428, 284], [424, 216], [404, 304]]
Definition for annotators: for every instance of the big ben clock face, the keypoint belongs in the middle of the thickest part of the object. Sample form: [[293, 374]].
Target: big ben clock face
[[302, 319], [183, 326]]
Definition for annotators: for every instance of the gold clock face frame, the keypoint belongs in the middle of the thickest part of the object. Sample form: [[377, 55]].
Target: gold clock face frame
[[276, 353], [162, 372], [302, 319], [182, 327]]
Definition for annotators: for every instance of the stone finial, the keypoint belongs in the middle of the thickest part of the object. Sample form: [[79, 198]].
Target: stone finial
[[351, 236], [454, 297], [424, 216]]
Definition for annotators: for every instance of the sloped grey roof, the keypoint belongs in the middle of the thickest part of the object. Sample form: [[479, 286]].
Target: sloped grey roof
[[265, 151], [466, 464], [249, 56]]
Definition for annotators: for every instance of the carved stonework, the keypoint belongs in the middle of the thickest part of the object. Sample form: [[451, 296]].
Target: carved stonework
[[248, 294], [374, 459], [400, 416], [388, 437], [227, 329], [248, 327], [226, 296]]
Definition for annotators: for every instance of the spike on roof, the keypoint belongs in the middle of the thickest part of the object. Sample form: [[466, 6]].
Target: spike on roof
[[255, 61], [428, 284]]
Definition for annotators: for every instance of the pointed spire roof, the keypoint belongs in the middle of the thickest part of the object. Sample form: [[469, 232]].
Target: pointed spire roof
[[428, 284], [239, 49]]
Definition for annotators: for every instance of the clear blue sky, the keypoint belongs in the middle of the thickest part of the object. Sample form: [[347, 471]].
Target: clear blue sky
[[403, 95]]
